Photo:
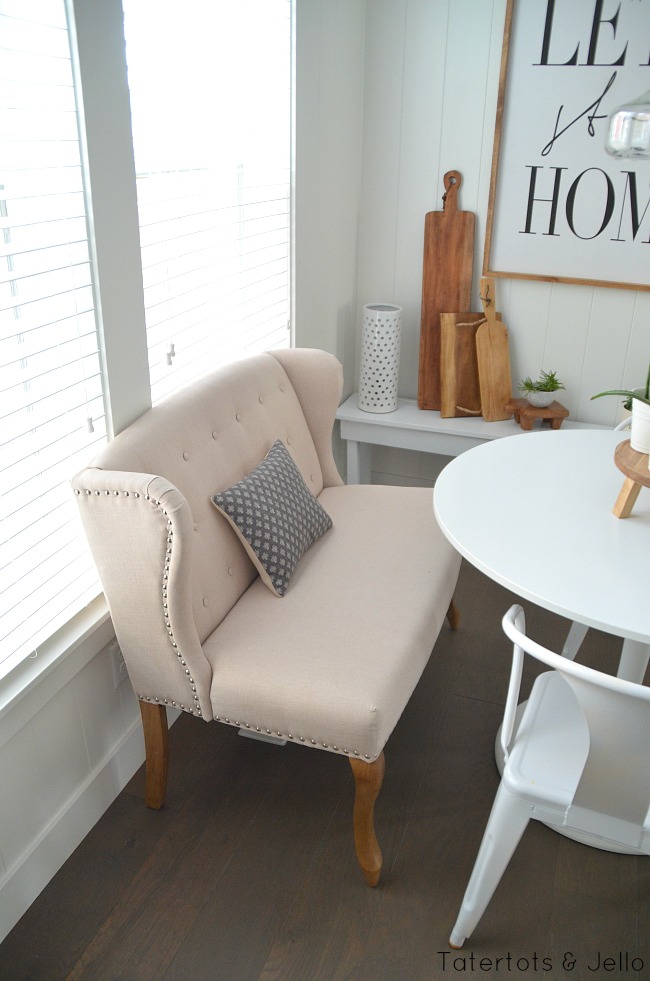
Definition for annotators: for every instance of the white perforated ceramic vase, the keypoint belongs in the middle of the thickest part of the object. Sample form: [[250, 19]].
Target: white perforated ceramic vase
[[380, 347]]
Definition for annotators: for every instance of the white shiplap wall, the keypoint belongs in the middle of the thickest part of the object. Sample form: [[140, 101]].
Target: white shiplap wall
[[430, 86]]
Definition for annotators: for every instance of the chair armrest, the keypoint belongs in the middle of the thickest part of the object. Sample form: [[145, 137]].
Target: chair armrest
[[147, 588]]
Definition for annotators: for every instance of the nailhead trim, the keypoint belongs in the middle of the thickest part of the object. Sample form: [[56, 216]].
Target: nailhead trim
[[196, 710], [168, 553], [193, 709], [290, 735]]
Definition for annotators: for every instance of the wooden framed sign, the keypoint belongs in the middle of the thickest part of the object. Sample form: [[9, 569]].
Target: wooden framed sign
[[561, 207]]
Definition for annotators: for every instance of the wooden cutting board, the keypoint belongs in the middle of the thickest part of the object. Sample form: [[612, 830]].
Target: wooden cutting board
[[446, 282], [460, 393], [493, 358]]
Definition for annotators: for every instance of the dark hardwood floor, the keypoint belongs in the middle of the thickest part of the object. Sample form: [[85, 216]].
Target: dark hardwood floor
[[249, 873]]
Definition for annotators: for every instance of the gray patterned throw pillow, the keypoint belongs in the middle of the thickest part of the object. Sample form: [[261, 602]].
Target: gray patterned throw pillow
[[275, 516]]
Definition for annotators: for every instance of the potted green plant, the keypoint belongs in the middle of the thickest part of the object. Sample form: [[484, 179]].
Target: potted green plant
[[541, 392], [637, 401]]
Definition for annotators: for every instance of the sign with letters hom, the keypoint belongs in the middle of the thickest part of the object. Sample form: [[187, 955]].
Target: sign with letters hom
[[561, 207]]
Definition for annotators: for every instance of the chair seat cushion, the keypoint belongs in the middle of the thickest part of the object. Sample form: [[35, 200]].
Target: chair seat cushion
[[333, 665]]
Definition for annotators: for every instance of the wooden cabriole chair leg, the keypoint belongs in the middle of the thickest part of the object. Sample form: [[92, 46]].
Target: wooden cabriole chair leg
[[453, 616], [154, 724], [368, 778]]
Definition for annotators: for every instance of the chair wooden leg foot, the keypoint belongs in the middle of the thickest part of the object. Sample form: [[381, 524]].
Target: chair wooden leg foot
[[368, 778], [453, 616], [154, 724]]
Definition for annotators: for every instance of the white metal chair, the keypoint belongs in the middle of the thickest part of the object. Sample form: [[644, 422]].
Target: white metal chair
[[579, 760]]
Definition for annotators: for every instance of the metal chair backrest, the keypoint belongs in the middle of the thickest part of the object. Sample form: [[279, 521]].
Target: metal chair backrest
[[613, 795]]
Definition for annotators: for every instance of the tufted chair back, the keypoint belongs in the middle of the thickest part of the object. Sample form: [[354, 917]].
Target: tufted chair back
[[153, 483]]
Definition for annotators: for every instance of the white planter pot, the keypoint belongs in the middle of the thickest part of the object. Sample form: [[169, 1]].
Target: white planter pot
[[640, 431], [380, 349], [541, 399]]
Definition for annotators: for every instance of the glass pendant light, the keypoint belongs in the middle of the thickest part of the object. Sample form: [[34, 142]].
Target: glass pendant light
[[628, 129]]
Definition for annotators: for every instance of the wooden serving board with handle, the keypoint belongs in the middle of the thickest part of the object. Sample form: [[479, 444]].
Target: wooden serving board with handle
[[446, 282], [460, 393], [460, 390], [493, 357]]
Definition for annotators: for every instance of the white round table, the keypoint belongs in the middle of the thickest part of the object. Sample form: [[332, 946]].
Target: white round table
[[534, 512]]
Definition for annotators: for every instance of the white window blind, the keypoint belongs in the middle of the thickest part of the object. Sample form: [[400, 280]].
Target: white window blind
[[211, 110], [51, 404]]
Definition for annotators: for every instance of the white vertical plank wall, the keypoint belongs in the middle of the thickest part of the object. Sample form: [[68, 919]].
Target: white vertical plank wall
[[430, 97]]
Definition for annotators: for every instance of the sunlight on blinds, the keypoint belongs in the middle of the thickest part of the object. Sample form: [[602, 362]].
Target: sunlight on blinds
[[211, 115], [51, 404]]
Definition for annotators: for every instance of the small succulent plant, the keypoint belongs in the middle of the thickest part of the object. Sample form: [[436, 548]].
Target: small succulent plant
[[547, 382]]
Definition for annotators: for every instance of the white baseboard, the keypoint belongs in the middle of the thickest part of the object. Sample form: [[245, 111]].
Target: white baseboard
[[31, 872]]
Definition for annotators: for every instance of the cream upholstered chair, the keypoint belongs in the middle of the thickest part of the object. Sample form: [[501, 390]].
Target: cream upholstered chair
[[578, 759], [330, 664]]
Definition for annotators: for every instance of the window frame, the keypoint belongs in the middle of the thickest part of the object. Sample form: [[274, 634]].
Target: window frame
[[99, 63], [97, 44]]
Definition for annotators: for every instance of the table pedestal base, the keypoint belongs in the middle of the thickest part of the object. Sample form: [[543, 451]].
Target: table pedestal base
[[634, 661]]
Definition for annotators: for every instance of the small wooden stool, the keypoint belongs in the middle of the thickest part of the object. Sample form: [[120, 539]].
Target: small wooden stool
[[635, 467], [525, 413]]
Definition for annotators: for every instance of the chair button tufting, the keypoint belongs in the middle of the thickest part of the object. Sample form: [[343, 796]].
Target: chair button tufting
[[214, 435], [230, 571], [205, 601], [261, 400], [186, 455], [238, 417]]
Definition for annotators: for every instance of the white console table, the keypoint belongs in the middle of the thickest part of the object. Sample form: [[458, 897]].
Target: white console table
[[411, 428]]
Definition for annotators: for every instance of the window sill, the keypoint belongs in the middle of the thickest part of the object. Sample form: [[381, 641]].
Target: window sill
[[72, 647]]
